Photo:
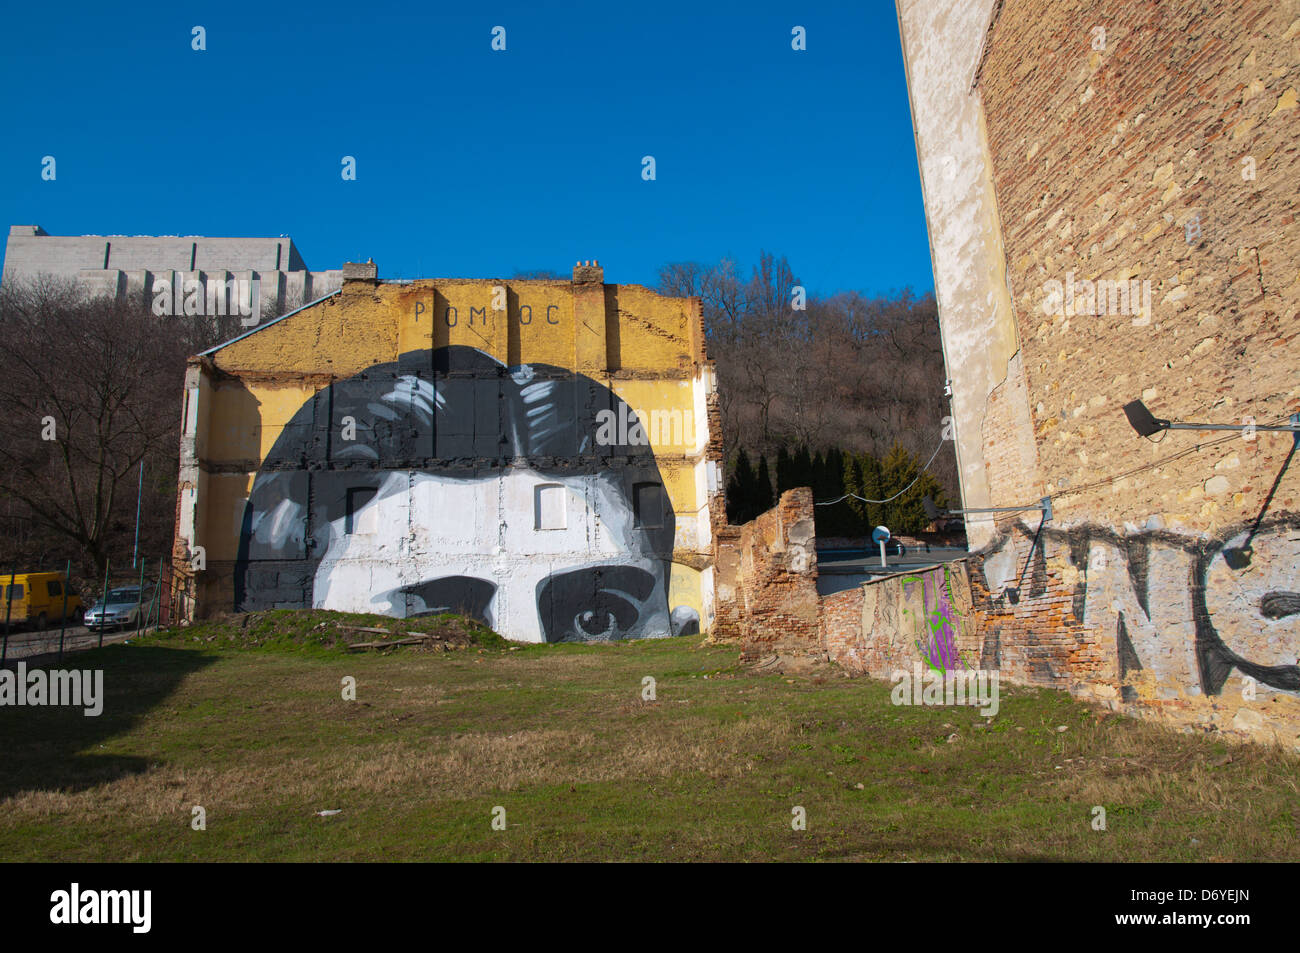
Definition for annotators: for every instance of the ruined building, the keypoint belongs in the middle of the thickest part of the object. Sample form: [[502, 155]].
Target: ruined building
[[539, 454]]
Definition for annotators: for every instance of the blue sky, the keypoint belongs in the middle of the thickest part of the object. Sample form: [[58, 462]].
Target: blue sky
[[470, 162]]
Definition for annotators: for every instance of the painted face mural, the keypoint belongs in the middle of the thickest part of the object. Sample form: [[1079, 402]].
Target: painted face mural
[[449, 482]]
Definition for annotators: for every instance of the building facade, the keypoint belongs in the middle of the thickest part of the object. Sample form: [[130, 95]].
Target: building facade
[[165, 270], [1110, 193], [541, 455]]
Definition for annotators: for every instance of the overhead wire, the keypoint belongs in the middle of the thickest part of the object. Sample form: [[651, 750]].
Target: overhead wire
[[919, 474]]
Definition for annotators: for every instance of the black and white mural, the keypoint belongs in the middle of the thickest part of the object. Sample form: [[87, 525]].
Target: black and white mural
[[447, 481]]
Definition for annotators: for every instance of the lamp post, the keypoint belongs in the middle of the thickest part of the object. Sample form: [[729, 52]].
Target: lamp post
[[139, 495]]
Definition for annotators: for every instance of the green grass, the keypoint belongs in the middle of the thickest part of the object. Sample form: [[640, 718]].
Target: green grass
[[248, 721]]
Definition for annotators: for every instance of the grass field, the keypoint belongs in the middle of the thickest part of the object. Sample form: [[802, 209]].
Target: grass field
[[249, 722]]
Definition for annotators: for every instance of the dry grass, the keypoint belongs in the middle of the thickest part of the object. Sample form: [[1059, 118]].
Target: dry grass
[[588, 769]]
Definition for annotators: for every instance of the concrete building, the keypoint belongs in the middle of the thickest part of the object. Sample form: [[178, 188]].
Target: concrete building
[[542, 455], [133, 266]]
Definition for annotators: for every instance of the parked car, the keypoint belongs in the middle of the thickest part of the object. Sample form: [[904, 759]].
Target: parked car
[[119, 607], [36, 598]]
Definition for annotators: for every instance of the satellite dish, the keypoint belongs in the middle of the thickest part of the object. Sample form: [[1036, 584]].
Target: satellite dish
[[879, 535]]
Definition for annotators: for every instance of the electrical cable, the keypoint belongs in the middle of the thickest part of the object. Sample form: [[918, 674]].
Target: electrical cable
[[1069, 490], [1110, 480], [919, 474]]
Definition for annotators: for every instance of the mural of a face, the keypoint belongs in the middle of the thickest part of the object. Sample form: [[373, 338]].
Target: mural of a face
[[466, 487], [1251, 617]]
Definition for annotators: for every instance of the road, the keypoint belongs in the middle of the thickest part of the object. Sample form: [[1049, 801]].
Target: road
[[839, 569], [28, 644]]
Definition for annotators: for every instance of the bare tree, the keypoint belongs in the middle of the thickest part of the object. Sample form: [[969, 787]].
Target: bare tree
[[92, 392], [850, 371], [91, 388]]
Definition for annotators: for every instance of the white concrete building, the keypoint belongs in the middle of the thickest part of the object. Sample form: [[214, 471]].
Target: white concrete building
[[129, 266]]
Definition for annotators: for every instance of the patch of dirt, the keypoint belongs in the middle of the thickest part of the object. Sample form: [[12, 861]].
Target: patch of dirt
[[345, 631], [792, 664]]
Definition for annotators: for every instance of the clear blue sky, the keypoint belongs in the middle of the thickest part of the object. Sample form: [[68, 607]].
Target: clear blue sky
[[471, 162]]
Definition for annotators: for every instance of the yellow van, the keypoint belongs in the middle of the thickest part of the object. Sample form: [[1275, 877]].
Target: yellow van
[[37, 598]]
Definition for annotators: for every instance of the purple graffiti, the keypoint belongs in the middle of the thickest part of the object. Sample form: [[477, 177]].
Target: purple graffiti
[[937, 629]]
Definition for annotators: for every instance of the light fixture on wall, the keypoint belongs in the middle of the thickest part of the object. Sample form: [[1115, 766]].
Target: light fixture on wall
[[933, 511], [1147, 424]]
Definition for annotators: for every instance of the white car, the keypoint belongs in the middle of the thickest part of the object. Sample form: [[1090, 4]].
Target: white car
[[119, 608]]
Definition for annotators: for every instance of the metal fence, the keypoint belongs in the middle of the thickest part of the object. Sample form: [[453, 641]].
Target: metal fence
[[156, 607]]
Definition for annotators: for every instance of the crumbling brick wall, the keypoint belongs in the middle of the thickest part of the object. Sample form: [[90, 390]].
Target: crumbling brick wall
[[767, 580], [893, 622]]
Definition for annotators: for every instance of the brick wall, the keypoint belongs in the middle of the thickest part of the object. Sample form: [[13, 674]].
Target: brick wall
[[767, 580], [1100, 159], [893, 622], [1151, 146]]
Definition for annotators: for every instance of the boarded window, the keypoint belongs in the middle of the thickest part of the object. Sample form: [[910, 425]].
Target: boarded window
[[360, 519], [649, 502], [549, 506]]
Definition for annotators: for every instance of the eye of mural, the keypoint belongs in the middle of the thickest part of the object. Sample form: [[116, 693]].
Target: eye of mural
[[602, 602], [600, 623], [461, 594], [458, 448]]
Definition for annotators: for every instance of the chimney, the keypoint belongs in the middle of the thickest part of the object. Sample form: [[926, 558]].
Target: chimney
[[590, 350], [585, 272], [360, 271]]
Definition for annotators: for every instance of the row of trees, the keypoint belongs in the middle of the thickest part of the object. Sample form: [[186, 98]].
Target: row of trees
[[838, 479], [807, 377]]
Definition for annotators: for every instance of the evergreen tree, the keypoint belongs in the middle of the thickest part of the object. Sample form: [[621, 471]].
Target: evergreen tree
[[833, 469], [784, 471], [740, 490], [763, 500], [907, 513], [849, 520], [837, 519], [873, 489], [801, 466]]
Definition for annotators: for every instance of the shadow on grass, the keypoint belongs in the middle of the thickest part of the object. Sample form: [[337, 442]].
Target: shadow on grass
[[48, 748]]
